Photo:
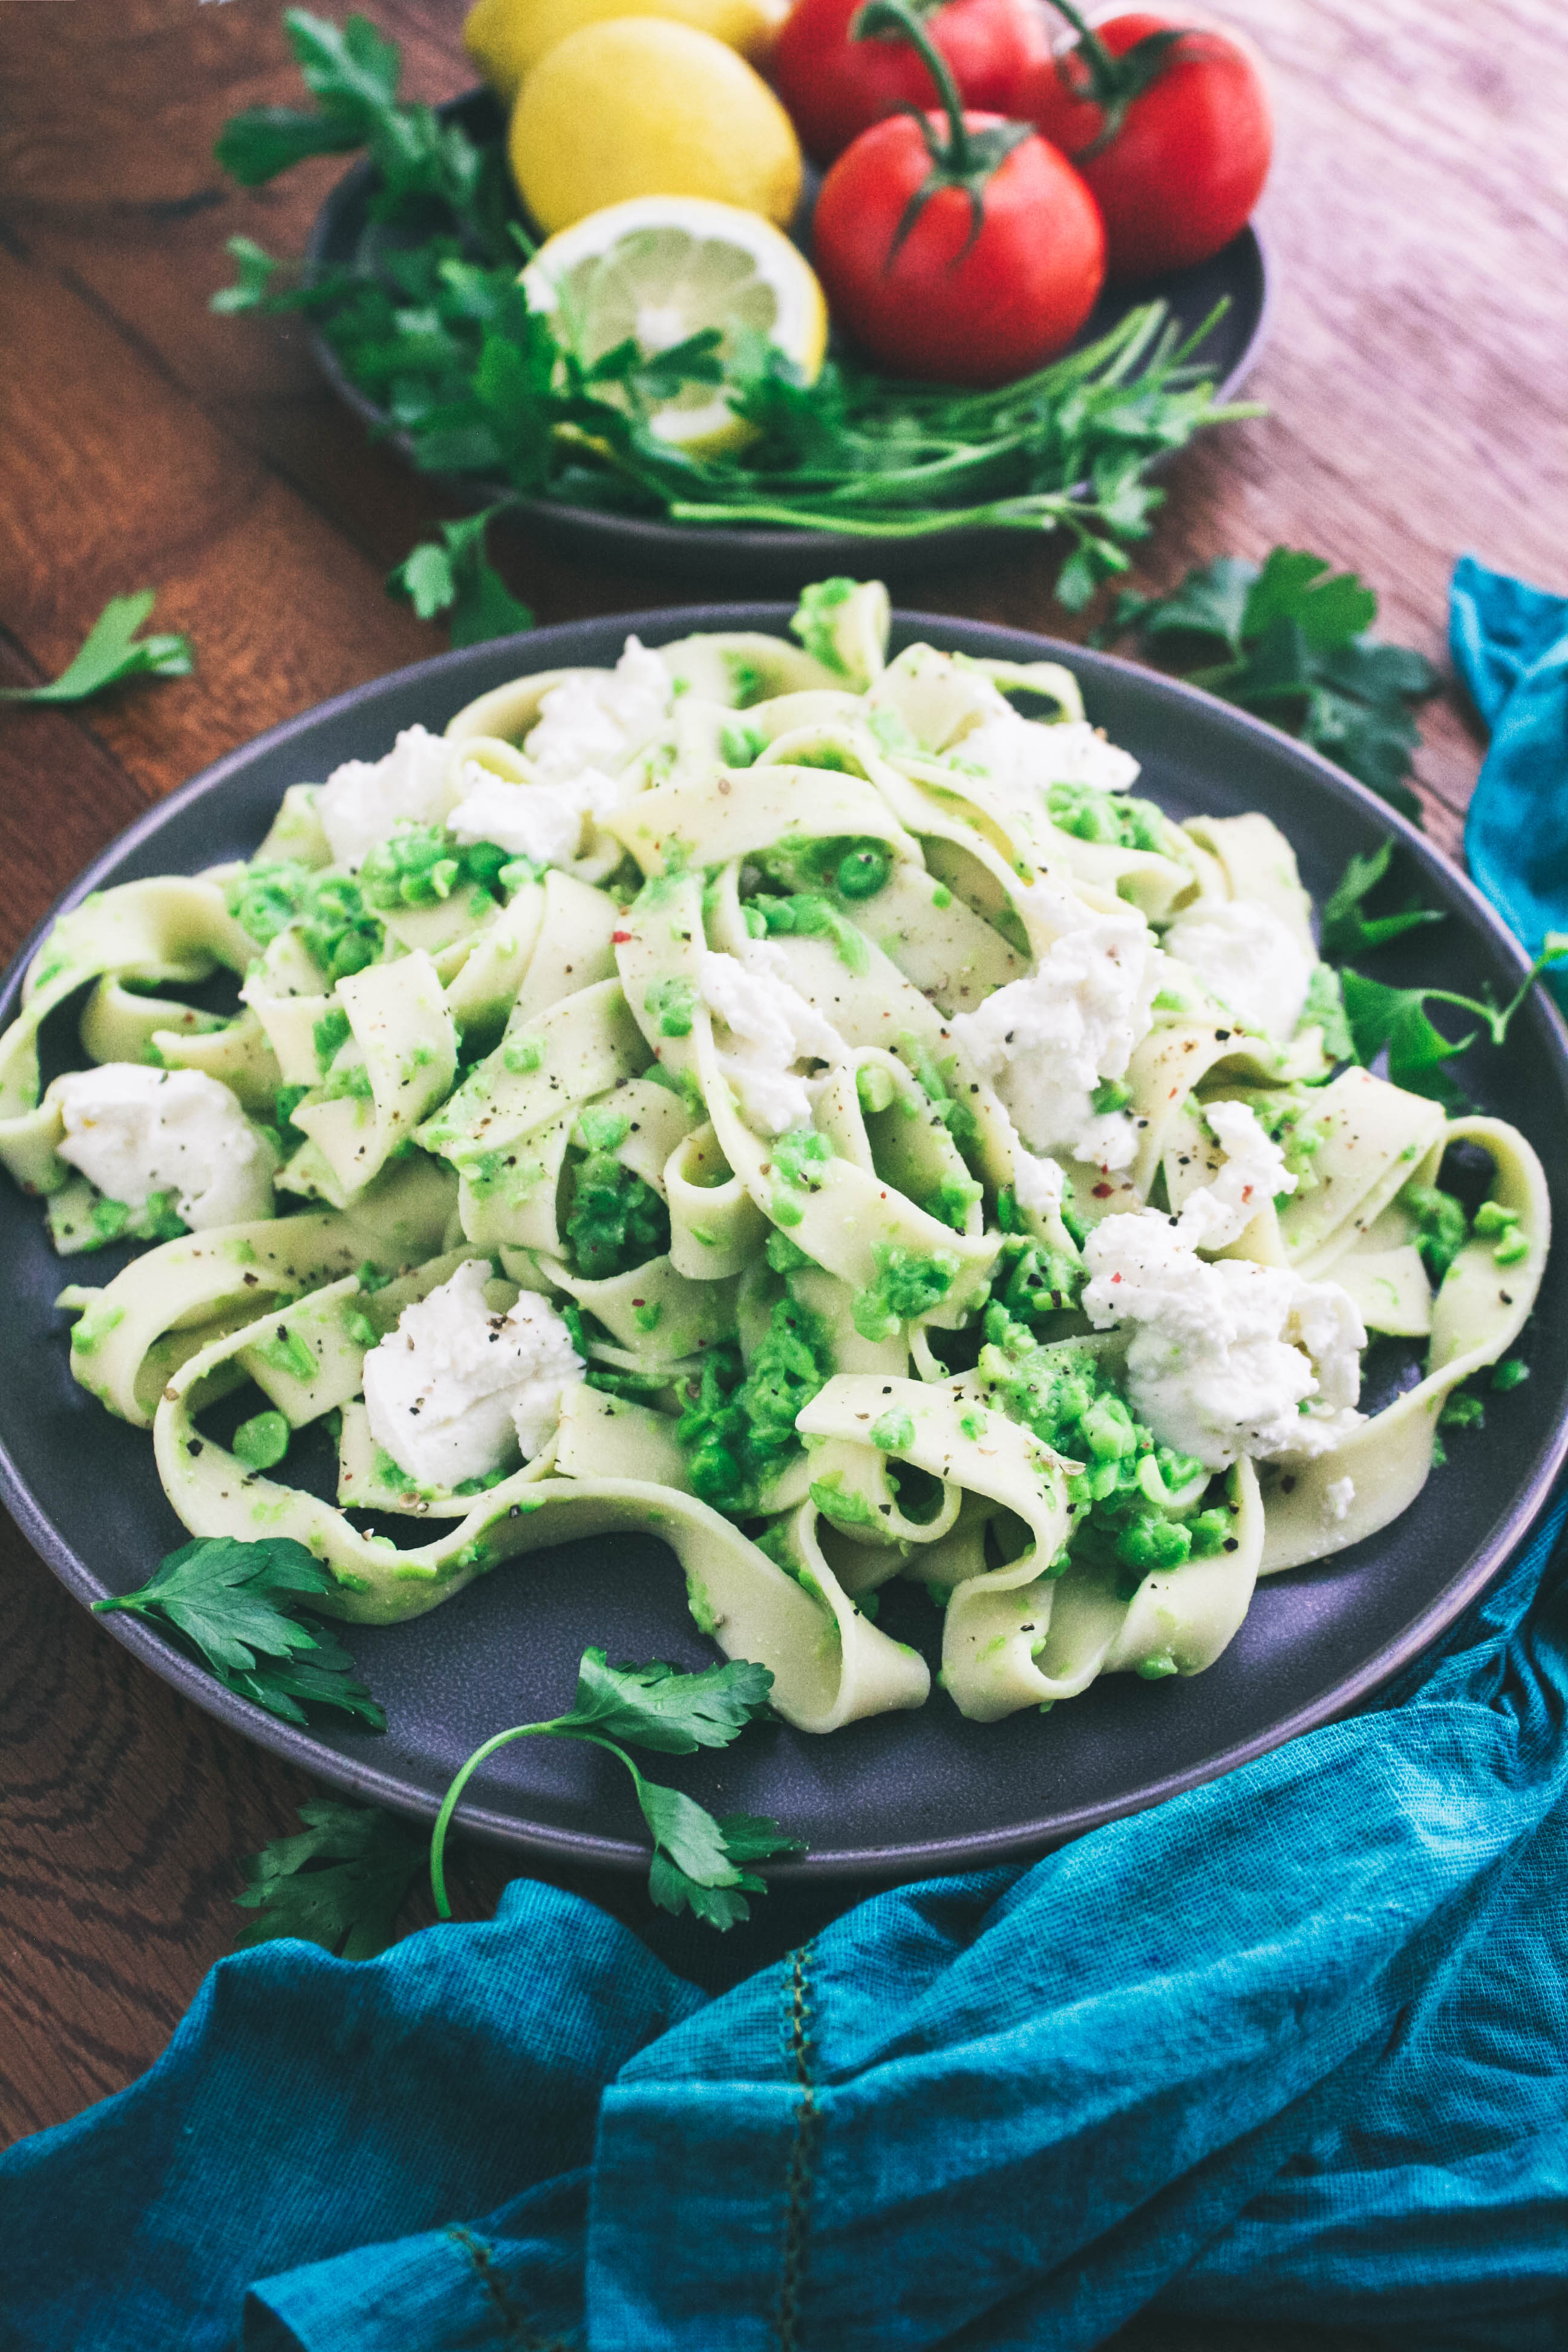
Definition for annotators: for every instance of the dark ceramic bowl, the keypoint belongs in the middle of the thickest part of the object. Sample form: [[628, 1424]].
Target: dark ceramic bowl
[[905, 1794], [748, 561]]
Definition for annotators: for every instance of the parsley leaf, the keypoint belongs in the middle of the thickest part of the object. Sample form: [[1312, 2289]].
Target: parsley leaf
[[697, 1860], [1397, 1018], [236, 1606], [340, 1883], [457, 578], [1293, 647], [110, 653], [656, 1706], [353, 74], [721, 1902], [1348, 930]]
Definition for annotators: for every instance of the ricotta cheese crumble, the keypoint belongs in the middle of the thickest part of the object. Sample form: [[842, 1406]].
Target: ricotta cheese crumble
[[134, 1131], [1251, 1174], [362, 802], [545, 822], [1048, 1042], [1250, 959], [771, 1028], [456, 1389], [600, 718], [1227, 1356], [1025, 758]]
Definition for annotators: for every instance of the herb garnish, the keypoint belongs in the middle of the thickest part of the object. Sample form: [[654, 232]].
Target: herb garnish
[[698, 1862], [110, 653], [340, 1883], [1292, 644], [1380, 1018], [236, 1607], [453, 575]]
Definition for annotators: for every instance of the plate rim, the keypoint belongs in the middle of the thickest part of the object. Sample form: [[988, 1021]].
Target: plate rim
[[909, 1858], [654, 537]]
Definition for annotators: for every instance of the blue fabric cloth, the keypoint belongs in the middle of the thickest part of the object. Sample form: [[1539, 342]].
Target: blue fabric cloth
[[1293, 2047], [1295, 2044], [1509, 644]]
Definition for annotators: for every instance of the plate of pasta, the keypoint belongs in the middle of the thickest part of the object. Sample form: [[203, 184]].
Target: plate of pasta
[[817, 1135]]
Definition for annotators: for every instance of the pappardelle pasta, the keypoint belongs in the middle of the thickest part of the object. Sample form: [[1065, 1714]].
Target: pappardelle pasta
[[798, 1103]]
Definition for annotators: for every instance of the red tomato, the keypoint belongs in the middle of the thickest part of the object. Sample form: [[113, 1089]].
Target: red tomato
[[1180, 170], [835, 86], [947, 302]]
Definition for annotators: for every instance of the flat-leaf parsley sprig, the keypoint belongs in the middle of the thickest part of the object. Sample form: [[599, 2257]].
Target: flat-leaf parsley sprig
[[236, 1607], [432, 327], [1385, 1019], [1290, 640], [339, 1882], [699, 1862], [454, 575], [111, 652]]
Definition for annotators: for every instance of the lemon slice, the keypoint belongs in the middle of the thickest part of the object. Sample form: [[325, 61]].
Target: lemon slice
[[658, 269]]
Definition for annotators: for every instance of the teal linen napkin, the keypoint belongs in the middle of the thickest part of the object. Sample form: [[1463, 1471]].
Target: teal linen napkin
[[1295, 2044], [1291, 2048], [1509, 644]]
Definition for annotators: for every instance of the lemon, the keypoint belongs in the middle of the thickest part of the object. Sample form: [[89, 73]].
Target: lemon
[[506, 38], [662, 267], [635, 106]]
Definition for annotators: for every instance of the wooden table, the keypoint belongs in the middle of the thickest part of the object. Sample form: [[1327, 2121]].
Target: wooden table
[[1416, 384]]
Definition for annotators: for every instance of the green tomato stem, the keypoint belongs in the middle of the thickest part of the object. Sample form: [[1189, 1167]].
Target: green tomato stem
[[893, 16]]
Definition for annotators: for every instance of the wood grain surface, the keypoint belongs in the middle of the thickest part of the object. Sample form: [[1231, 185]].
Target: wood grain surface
[[1415, 387]]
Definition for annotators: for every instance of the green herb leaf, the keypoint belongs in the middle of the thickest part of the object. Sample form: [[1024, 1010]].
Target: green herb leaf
[[1396, 1017], [235, 1605], [110, 653], [1348, 930], [456, 577], [255, 146], [340, 1883], [658, 1707], [720, 1899], [1294, 637], [697, 1861]]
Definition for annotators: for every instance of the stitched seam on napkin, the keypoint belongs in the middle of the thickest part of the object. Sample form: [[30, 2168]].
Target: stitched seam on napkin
[[519, 2330], [803, 2149]]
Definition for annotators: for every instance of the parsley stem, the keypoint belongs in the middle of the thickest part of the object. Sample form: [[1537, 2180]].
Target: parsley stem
[[558, 1728]]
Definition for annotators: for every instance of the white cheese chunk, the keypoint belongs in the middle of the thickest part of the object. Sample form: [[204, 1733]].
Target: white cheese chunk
[[1338, 1496], [1228, 1357], [771, 1028], [545, 822], [1251, 1174], [1023, 757], [600, 718], [133, 1131], [1046, 1043], [362, 802], [456, 1391], [1037, 1184], [1249, 959]]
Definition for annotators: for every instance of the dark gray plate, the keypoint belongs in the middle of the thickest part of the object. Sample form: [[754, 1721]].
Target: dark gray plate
[[905, 1794], [780, 560]]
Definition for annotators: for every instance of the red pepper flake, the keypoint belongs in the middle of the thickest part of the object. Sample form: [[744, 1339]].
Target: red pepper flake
[[1103, 1191], [619, 939]]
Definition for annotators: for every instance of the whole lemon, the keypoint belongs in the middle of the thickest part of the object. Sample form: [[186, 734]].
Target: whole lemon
[[635, 106], [506, 38]]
